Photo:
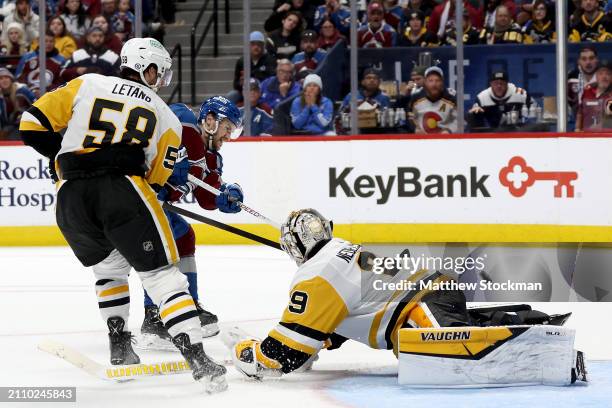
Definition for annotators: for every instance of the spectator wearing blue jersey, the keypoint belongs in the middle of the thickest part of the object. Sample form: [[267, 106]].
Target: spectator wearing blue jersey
[[369, 92], [261, 114], [311, 56], [311, 112], [280, 87], [339, 15]]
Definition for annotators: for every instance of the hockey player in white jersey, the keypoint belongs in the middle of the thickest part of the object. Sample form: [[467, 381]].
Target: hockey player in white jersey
[[332, 299], [120, 146]]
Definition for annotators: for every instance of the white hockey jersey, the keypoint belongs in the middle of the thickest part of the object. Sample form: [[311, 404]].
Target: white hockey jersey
[[439, 116], [98, 111], [331, 293]]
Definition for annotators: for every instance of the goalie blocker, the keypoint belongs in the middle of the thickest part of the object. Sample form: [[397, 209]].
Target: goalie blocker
[[489, 356]]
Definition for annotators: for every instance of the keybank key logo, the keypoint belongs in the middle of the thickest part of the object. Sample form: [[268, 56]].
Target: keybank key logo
[[517, 176]]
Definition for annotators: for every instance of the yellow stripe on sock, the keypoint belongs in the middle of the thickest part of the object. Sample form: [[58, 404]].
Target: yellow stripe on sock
[[176, 306], [114, 291]]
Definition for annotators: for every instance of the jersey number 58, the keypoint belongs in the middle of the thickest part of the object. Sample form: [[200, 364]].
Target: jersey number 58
[[138, 127]]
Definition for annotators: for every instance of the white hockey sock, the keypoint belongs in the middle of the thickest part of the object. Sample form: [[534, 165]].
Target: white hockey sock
[[112, 287], [179, 315], [169, 289], [113, 298]]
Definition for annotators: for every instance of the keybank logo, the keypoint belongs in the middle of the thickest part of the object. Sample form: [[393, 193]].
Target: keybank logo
[[407, 182], [517, 177], [13, 177]]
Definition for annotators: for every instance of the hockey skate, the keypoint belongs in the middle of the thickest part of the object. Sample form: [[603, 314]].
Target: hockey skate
[[120, 341], [204, 370], [208, 321], [153, 334]]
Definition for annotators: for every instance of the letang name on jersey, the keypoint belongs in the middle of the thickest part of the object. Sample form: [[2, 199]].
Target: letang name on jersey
[[130, 90]]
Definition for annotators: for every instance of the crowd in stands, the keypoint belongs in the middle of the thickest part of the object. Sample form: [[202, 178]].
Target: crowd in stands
[[85, 36], [299, 33], [82, 36]]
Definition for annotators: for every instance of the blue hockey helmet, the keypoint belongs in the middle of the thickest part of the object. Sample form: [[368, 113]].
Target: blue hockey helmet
[[222, 108]]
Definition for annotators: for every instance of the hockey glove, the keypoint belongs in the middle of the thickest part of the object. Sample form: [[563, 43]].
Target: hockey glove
[[181, 169], [227, 200], [252, 362]]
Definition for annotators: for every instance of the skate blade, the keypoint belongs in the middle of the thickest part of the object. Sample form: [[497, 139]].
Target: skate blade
[[147, 341], [210, 330], [214, 385]]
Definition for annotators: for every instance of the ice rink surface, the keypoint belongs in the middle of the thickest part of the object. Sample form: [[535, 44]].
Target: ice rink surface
[[46, 294]]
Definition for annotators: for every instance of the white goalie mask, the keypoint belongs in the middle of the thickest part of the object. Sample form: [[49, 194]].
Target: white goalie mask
[[302, 231], [139, 53]]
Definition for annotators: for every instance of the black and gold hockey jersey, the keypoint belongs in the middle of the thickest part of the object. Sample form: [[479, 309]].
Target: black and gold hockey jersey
[[470, 35], [512, 35], [539, 33], [598, 30], [425, 38]]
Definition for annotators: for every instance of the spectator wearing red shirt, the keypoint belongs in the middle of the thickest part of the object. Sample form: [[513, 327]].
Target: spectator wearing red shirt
[[111, 40], [595, 109], [93, 7], [491, 11], [393, 13], [376, 33], [311, 56], [28, 70], [445, 11], [583, 75], [329, 35]]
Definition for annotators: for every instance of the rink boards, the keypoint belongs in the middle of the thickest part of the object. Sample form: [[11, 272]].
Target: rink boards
[[471, 188]]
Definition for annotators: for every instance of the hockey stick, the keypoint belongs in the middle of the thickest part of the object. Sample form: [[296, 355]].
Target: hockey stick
[[242, 206], [220, 225], [117, 373]]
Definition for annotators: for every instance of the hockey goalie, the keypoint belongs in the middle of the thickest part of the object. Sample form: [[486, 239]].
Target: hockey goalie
[[438, 341]]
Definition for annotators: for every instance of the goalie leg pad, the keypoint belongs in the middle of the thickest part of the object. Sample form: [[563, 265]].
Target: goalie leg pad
[[486, 356]]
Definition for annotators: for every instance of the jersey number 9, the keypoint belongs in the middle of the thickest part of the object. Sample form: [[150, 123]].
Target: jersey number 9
[[298, 302], [138, 128]]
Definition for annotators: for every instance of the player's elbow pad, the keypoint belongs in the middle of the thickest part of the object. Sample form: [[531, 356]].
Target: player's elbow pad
[[45, 143]]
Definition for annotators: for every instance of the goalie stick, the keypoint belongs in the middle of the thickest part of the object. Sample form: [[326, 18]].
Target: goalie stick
[[117, 373], [242, 206]]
